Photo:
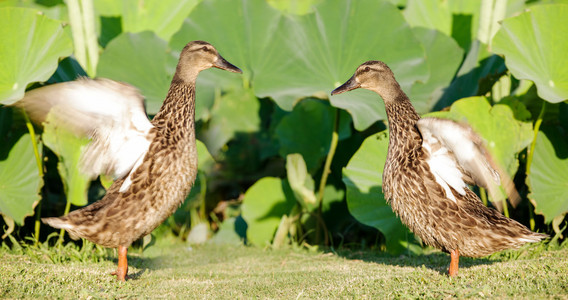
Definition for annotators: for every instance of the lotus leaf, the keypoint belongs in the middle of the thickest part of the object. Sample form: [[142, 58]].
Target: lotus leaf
[[68, 149], [142, 60], [263, 206], [534, 46], [548, 178], [30, 50], [289, 58], [20, 183]]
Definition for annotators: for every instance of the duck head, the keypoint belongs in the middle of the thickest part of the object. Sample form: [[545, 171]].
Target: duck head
[[197, 56], [372, 75]]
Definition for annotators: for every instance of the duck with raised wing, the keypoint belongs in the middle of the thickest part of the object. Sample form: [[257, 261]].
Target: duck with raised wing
[[429, 164], [154, 162]]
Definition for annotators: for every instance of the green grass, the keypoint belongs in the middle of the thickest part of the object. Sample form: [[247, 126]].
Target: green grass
[[223, 272]]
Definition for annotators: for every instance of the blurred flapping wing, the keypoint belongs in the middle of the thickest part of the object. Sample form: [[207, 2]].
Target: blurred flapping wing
[[457, 145], [110, 113]]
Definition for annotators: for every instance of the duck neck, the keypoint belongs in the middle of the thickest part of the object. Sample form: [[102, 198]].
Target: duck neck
[[402, 118], [177, 114]]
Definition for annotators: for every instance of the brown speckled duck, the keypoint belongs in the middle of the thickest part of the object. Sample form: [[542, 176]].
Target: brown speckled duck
[[155, 162], [429, 164]]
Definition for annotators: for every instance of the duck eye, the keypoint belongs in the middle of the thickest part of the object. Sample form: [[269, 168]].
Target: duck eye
[[367, 69], [204, 48]]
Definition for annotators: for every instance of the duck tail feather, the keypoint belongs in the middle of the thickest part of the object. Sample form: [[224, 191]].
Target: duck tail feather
[[62, 223]]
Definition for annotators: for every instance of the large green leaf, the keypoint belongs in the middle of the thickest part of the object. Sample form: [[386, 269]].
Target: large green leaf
[[263, 206], [205, 160], [54, 10], [162, 17], [363, 179], [307, 130], [328, 52], [234, 113], [548, 178], [68, 149], [535, 47], [20, 182], [478, 67], [143, 60], [457, 18], [444, 57], [291, 57], [298, 7], [433, 14], [300, 180], [31, 47], [491, 122]]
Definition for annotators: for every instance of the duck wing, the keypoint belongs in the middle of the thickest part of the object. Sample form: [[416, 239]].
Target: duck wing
[[458, 157], [110, 113]]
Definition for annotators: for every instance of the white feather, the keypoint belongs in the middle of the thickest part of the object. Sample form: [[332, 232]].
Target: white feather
[[128, 181], [461, 157], [444, 167], [111, 113]]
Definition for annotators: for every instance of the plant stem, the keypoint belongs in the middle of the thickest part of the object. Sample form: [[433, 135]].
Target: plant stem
[[77, 31], [39, 163], [62, 231], [483, 195], [537, 124], [492, 11], [530, 154], [505, 207], [202, 192], [531, 216], [91, 43], [82, 20], [326, 170]]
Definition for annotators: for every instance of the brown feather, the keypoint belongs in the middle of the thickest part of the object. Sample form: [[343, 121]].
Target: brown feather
[[417, 197], [164, 177]]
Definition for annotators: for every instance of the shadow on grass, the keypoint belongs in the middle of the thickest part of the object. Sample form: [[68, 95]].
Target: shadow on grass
[[438, 261], [140, 263]]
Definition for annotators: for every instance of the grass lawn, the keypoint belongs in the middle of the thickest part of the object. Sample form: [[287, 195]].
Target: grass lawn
[[224, 272]]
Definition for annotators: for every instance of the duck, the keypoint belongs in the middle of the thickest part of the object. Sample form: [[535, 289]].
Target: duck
[[154, 163], [430, 164]]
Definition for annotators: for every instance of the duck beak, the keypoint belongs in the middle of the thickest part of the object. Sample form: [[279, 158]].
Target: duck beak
[[350, 84], [221, 63]]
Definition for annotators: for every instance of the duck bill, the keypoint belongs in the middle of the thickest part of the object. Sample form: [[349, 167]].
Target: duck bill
[[225, 65], [349, 85]]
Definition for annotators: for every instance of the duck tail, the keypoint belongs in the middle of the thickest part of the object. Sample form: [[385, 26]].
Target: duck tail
[[61, 223], [533, 237]]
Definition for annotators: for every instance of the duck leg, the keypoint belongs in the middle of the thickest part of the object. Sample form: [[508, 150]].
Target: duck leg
[[454, 263], [122, 269]]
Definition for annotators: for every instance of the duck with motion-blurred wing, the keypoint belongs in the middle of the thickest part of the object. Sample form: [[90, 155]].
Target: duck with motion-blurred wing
[[154, 162], [429, 164]]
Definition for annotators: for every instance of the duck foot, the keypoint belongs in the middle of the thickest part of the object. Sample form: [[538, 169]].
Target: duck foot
[[454, 262], [122, 269]]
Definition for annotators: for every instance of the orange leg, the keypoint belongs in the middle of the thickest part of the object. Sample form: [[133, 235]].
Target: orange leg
[[454, 263], [122, 270]]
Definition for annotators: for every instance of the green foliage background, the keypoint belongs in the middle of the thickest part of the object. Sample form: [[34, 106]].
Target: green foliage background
[[282, 162]]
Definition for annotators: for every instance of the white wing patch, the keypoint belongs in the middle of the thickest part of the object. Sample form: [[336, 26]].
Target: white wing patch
[[111, 113], [458, 156], [443, 165], [128, 181]]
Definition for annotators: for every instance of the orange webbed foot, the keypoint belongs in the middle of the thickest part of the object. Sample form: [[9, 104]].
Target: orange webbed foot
[[122, 269]]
